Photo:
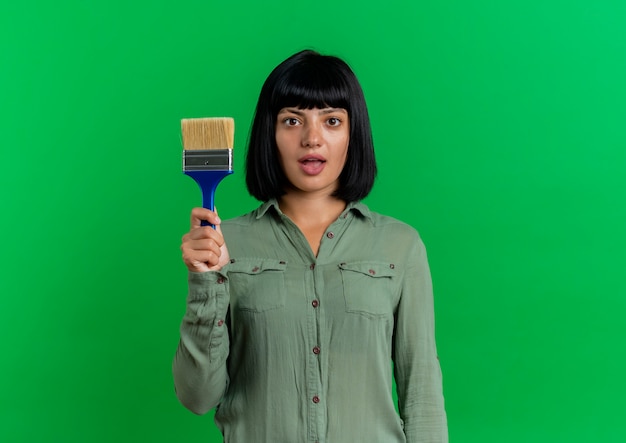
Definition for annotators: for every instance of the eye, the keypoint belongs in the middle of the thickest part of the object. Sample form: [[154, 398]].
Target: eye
[[290, 121], [334, 121]]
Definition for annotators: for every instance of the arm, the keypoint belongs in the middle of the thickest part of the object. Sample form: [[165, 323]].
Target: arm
[[416, 366], [200, 373]]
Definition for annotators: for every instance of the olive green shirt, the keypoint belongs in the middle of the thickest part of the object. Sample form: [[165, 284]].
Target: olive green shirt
[[293, 348]]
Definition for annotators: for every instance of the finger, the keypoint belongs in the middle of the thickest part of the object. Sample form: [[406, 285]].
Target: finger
[[200, 214], [218, 231], [204, 234], [210, 257], [198, 266], [193, 247], [194, 259], [218, 228], [203, 238]]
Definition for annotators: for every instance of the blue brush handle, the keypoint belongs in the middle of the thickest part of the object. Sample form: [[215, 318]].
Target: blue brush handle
[[208, 181]]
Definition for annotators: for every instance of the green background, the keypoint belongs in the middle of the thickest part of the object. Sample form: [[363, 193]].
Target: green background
[[500, 135]]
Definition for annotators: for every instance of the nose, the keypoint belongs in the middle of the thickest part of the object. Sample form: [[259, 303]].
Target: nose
[[311, 136]]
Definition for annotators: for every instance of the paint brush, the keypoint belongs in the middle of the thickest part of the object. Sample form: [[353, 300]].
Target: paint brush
[[208, 153]]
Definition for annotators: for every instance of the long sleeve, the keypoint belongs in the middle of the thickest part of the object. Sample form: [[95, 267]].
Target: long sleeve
[[199, 368], [306, 353], [417, 371]]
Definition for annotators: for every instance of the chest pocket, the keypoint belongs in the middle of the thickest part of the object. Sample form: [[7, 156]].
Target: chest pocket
[[369, 288], [257, 285]]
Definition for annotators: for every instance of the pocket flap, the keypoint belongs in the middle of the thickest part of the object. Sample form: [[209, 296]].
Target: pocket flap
[[253, 266], [372, 269]]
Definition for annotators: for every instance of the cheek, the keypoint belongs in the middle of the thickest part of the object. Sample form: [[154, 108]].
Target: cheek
[[285, 142]]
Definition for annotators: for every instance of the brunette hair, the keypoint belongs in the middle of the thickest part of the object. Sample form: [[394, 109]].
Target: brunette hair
[[309, 80]]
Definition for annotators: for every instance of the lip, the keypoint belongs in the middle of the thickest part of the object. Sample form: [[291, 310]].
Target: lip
[[312, 164], [311, 157]]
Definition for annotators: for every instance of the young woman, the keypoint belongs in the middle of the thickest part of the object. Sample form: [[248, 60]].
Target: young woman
[[297, 310]]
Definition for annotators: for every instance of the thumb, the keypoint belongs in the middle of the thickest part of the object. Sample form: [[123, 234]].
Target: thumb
[[225, 257], [218, 221]]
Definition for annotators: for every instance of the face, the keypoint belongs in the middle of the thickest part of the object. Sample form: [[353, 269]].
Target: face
[[312, 146]]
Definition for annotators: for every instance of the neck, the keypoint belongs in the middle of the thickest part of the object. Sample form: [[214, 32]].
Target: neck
[[311, 210]]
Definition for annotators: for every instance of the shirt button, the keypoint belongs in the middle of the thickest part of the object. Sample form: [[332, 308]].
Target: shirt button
[[315, 303], [220, 280], [312, 266], [330, 234], [392, 266], [316, 399], [371, 271], [316, 350], [220, 322]]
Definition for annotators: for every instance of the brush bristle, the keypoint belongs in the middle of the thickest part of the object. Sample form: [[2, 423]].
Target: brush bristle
[[208, 133]]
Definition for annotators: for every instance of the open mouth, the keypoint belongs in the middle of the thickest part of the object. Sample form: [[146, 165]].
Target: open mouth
[[312, 160], [312, 165]]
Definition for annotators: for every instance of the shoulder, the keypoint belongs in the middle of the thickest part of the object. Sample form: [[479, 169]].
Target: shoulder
[[244, 220], [389, 235], [387, 224], [254, 224]]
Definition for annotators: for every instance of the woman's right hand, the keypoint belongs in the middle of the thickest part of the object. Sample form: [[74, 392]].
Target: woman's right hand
[[203, 247]]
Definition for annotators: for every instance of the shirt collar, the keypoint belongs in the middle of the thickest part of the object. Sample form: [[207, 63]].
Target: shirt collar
[[357, 207]]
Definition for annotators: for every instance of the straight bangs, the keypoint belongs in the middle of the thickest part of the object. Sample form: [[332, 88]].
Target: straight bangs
[[309, 87]]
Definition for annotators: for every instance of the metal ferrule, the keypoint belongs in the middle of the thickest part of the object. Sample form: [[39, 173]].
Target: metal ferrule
[[207, 159]]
